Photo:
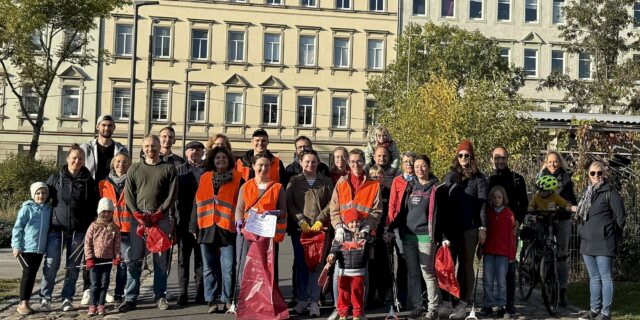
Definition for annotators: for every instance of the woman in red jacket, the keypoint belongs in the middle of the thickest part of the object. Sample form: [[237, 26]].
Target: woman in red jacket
[[499, 249]]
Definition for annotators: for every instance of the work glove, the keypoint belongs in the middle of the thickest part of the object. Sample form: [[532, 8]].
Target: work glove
[[117, 261], [239, 225], [339, 234], [90, 263], [365, 231], [304, 226], [139, 216], [446, 243], [317, 226]]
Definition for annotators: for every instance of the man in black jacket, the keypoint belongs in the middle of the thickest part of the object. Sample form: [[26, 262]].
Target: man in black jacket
[[302, 143], [516, 189]]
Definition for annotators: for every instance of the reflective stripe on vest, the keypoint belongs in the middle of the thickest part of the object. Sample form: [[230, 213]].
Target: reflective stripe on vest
[[218, 210], [274, 170], [363, 200], [268, 201], [122, 217]]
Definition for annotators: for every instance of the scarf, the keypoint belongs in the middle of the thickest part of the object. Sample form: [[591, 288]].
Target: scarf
[[118, 182], [585, 202], [222, 178]]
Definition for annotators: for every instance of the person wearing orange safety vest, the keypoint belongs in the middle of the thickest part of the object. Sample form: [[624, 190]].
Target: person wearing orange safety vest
[[212, 223], [112, 187], [355, 191], [260, 141]]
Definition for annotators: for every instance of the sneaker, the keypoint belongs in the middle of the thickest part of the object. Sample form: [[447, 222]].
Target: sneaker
[[45, 305], [301, 307], [603, 316], [23, 308], [212, 307], [292, 303], [486, 312], [126, 306], [501, 313], [459, 312], [314, 309], [415, 313], [110, 298], [101, 310], [86, 298], [67, 305], [334, 315], [92, 311], [162, 304], [343, 318], [431, 315], [183, 300], [588, 315], [117, 300]]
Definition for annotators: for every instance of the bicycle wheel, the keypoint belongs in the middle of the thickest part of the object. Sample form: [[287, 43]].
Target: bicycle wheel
[[549, 282], [527, 275]]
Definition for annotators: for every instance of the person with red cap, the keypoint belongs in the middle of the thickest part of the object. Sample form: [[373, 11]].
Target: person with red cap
[[465, 222]]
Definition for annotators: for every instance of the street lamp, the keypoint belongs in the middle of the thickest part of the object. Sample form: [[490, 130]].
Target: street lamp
[[186, 107], [134, 59]]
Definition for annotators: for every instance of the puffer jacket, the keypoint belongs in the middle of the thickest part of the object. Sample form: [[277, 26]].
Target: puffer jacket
[[30, 230], [74, 200], [602, 231], [351, 259]]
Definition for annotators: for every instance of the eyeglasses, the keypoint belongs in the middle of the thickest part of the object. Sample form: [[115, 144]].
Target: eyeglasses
[[594, 173], [354, 162], [463, 155], [499, 158]]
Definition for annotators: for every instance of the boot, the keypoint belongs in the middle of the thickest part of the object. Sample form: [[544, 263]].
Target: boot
[[564, 301]]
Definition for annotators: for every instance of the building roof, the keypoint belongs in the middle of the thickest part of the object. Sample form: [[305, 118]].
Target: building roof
[[599, 117]]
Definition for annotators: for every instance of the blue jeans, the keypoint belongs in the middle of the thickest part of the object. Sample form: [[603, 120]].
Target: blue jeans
[[99, 282], [121, 270], [302, 275], [495, 270], [600, 282], [211, 274], [56, 242]]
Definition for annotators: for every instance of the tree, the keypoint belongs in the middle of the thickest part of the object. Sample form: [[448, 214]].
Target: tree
[[37, 37], [600, 30]]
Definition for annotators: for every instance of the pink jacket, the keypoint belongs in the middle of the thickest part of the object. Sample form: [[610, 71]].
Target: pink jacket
[[100, 243]]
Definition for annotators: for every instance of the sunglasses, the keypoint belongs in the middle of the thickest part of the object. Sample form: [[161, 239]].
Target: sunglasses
[[594, 173], [464, 155]]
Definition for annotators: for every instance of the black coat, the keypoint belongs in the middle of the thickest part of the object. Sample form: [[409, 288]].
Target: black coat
[[602, 230], [187, 187], [466, 203], [516, 189], [74, 200]]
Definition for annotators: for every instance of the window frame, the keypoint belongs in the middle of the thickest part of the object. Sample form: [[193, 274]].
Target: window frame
[[303, 5], [453, 9], [314, 37], [204, 104], [200, 42], [346, 112], [510, 13], [313, 109], [561, 16], [537, 20], [413, 8], [121, 99], [636, 14], [279, 49], [126, 35], [244, 46], [162, 44], [270, 2], [64, 98], [381, 52], [563, 60], [342, 6], [270, 106], [241, 108], [348, 53], [377, 2], [28, 93], [536, 67], [508, 54], [370, 112], [154, 99], [590, 65], [482, 9]]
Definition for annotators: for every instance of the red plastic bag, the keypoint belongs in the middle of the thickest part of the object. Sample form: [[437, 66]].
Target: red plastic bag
[[446, 272], [313, 245], [260, 297], [157, 240]]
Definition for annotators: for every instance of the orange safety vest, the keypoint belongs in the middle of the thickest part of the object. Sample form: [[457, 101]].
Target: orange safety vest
[[274, 170], [218, 209], [361, 201], [268, 201], [122, 217]]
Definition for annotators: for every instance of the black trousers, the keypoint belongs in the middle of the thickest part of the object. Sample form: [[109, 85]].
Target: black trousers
[[30, 263], [99, 276], [511, 285], [187, 245], [380, 282]]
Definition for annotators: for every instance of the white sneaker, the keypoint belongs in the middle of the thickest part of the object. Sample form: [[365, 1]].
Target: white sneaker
[[67, 305], [301, 307], [460, 312], [86, 298], [109, 298], [334, 315], [314, 309], [45, 305]]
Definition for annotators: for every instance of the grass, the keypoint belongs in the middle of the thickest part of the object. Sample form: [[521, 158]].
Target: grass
[[9, 288], [625, 300]]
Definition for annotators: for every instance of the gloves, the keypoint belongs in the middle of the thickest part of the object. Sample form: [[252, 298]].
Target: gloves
[[239, 225], [446, 243], [304, 226], [339, 234], [90, 263], [117, 261], [139, 216], [317, 226]]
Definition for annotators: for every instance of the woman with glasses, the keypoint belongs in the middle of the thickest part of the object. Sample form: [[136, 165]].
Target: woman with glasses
[[465, 223], [602, 216], [555, 165]]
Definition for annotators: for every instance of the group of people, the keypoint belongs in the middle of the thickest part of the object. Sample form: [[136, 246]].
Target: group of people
[[384, 215]]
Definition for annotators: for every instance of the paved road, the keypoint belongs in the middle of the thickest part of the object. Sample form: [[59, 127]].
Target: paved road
[[532, 309]]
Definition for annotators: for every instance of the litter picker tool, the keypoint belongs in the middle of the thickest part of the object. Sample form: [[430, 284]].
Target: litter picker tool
[[472, 314], [396, 302], [22, 262], [236, 287]]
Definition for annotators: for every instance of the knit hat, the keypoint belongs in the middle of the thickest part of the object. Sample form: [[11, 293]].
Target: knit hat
[[350, 215], [104, 117], [465, 145], [105, 204], [36, 186]]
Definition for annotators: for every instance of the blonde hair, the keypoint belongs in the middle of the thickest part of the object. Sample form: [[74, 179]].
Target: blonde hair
[[378, 131], [111, 225], [120, 154], [505, 199], [563, 162], [213, 139], [376, 170]]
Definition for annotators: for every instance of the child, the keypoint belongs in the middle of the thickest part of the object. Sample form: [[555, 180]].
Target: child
[[352, 258], [101, 249], [29, 240], [380, 136], [499, 249], [546, 199]]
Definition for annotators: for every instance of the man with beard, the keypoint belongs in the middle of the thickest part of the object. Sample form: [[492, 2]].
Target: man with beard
[[303, 143], [167, 140], [260, 141]]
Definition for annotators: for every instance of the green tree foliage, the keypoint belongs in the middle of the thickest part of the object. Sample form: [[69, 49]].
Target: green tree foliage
[[601, 29], [37, 37]]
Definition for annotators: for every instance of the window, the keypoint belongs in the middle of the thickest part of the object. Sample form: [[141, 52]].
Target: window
[[371, 113], [70, 102], [531, 11], [75, 40], [274, 2], [121, 103], [124, 39], [557, 61], [343, 4], [375, 58], [339, 112], [475, 9], [419, 7], [307, 51], [504, 10], [36, 39], [558, 15], [160, 106], [376, 5], [238, 1], [272, 48], [341, 53], [584, 65], [308, 3], [236, 46], [31, 101], [161, 42], [270, 109], [305, 111], [197, 105], [199, 44], [636, 14], [448, 7], [531, 62], [233, 112], [505, 53]]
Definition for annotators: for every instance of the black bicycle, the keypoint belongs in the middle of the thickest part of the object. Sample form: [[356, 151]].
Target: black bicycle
[[538, 261]]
